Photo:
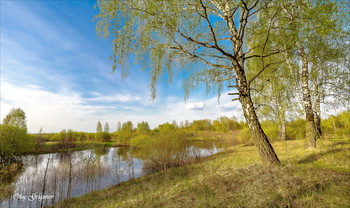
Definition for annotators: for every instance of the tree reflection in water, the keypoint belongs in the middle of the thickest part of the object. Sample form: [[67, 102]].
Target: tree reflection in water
[[65, 175]]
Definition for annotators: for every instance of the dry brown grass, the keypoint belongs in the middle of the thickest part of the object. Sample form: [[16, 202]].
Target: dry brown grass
[[235, 178]]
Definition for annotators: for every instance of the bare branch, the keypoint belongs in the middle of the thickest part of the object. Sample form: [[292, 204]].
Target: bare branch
[[217, 5], [261, 8], [260, 105], [215, 12], [254, 5], [233, 93], [193, 55], [243, 21], [230, 22], [207, 45], [264, 56], [209, 24], [265, 67], [213, 56], [268, 33], [226, 79]]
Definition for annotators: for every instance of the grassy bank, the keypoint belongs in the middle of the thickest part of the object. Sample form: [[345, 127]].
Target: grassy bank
[[57, 147], [235, 178]]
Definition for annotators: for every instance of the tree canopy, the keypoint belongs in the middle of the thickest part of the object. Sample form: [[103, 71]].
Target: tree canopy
[[222, 42], [16, 118]]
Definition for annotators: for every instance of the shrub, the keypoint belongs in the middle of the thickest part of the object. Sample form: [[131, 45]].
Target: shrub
[[167, 127], [13, 142], [200, 125], [166, 150], [328, 125], [296, 129], [140, 141], [337, 125], [271, 129], [163, 150], [102, 136], [244, 136]]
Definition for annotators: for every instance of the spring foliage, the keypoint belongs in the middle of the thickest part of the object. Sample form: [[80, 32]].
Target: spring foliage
[[14, 139]]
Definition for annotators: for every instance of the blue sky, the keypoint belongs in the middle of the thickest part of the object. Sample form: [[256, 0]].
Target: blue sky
[[58, 71]]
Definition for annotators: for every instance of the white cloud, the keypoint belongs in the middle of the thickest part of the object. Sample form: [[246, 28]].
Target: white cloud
[[66, 109], [176, 109], [228, 106], [195, 106], [53, 111], [114, 98]]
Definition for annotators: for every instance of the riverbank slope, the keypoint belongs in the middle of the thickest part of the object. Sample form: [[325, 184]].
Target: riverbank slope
[[236, 178]]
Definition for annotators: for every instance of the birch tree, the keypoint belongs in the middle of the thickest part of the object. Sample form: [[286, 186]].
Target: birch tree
[[306, 22], [205, 38], [329, 76], [272, 90]]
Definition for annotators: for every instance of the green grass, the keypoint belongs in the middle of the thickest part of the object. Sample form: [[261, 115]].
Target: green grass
[[236, 178]]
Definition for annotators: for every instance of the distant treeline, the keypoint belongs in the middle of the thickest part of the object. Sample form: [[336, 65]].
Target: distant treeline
[[15, 141], [337, 125]]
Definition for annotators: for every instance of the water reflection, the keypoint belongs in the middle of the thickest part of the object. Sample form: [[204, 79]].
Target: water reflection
[[51, 178]]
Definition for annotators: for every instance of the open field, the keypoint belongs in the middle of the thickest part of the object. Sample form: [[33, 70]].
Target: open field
[[236, 178]]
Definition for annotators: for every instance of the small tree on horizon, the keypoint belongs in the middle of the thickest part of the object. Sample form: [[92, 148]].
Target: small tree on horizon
[[16, 118], [143, 127], [106, 128], [126, 131], [99, 127], [119, 126]]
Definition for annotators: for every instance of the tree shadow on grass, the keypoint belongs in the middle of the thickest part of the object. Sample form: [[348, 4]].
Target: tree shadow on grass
[[340, 143], [316, 156]]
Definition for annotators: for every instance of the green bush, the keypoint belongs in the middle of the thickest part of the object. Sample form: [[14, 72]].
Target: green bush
[[102, 136], [328, 126], [167, 127], [224, 124], [164, 149], [296, 129], [338, 125], [244, 136], [200, 125], [140, 140], [13, 142], [271, 130]]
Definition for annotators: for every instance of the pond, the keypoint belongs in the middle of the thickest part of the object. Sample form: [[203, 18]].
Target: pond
[[50, 178]]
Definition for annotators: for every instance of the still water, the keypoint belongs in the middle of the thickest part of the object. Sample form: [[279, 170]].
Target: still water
[[50, 178]]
